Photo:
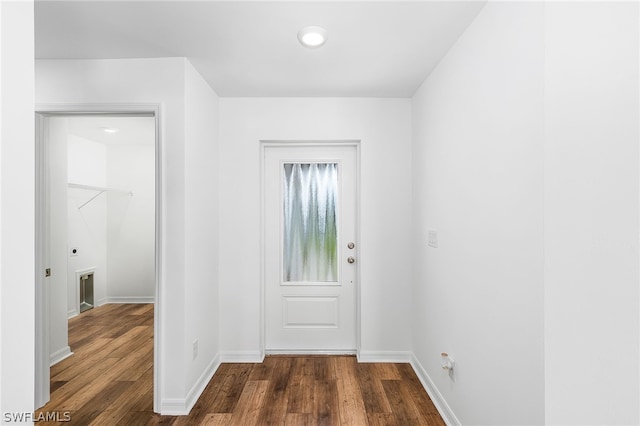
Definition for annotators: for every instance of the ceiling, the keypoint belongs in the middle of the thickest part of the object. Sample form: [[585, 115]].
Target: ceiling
[[130, 130], [250, 48]]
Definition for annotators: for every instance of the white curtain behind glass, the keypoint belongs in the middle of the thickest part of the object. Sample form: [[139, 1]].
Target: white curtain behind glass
[[310, 228]]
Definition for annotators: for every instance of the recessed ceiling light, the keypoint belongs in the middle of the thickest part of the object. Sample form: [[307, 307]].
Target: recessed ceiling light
[[110, 129], [312, 37]]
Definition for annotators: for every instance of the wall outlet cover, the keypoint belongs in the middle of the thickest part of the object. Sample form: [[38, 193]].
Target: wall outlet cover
[[432, 238]]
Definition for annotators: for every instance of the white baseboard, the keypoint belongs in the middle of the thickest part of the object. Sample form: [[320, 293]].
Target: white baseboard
[[173, 407], [122, 300], [241, 356], [201, 383], [182, 407], [59, 355], [309, 352], [384, 356], [132, 299], [436, 397]]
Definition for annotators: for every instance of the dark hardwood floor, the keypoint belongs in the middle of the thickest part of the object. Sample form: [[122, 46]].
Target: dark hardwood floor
[[109, 381]]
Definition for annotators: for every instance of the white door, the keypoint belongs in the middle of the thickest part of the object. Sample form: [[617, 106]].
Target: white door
[[310, 266]]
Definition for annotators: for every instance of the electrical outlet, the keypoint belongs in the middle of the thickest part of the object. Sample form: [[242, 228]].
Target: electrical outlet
[[195, 349], [448, 364], [432, 238]]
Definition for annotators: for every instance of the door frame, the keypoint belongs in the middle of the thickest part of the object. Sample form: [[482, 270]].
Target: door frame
[[284, 143], [42, 112]]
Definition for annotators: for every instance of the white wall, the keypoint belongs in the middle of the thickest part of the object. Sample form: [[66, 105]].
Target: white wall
[[591, 213], [17, 187], [201, 228], [477, 161], [115, 232], [130, 223], [86, 227], [163, 82], [383, 126], [527, 134]]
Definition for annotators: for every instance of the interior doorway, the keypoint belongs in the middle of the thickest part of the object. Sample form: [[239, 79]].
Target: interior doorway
[[97, 223]]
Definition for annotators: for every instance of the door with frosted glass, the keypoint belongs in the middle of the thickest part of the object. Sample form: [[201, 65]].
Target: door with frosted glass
[[310, 248]]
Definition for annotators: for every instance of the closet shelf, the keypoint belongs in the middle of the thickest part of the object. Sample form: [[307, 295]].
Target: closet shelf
[[99, 189]]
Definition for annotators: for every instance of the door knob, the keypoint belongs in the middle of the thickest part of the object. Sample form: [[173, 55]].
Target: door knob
[[351, 259]]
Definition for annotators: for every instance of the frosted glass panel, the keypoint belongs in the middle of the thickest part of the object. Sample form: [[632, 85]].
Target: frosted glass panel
[[310, 229]]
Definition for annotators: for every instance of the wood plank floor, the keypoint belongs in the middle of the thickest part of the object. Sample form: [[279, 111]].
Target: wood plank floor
[[109, 381]]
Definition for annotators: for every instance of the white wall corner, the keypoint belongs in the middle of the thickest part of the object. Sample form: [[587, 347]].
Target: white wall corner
[[242, 356], [59, 355], [438, 400], [384, 356], [72, 313]]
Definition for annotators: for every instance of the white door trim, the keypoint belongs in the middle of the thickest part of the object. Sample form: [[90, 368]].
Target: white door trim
[[42, 377], [264, 144], [42, 111]]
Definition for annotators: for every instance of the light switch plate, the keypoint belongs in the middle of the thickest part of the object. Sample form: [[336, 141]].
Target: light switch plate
[[432, 238]]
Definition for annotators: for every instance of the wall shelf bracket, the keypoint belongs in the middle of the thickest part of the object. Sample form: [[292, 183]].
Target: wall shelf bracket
[[100, 190]]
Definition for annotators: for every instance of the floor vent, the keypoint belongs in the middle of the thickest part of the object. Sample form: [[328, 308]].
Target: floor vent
[[86, 292]]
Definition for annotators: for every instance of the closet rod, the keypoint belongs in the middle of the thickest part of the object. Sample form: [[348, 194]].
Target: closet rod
[[96, 188]]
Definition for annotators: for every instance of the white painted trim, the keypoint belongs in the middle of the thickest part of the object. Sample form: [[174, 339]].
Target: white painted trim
[[58, 356], [42, 356], [360, 251], [70, 109], [385, 356], [438, 400], [201, 384], [172, 407], [115, 300], [159, 261], [242, 356], [309, 352], [264, 144], [42, 323], [182, 407], [125, 299]]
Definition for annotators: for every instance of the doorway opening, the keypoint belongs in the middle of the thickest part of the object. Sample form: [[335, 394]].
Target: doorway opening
[[97, 224]]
